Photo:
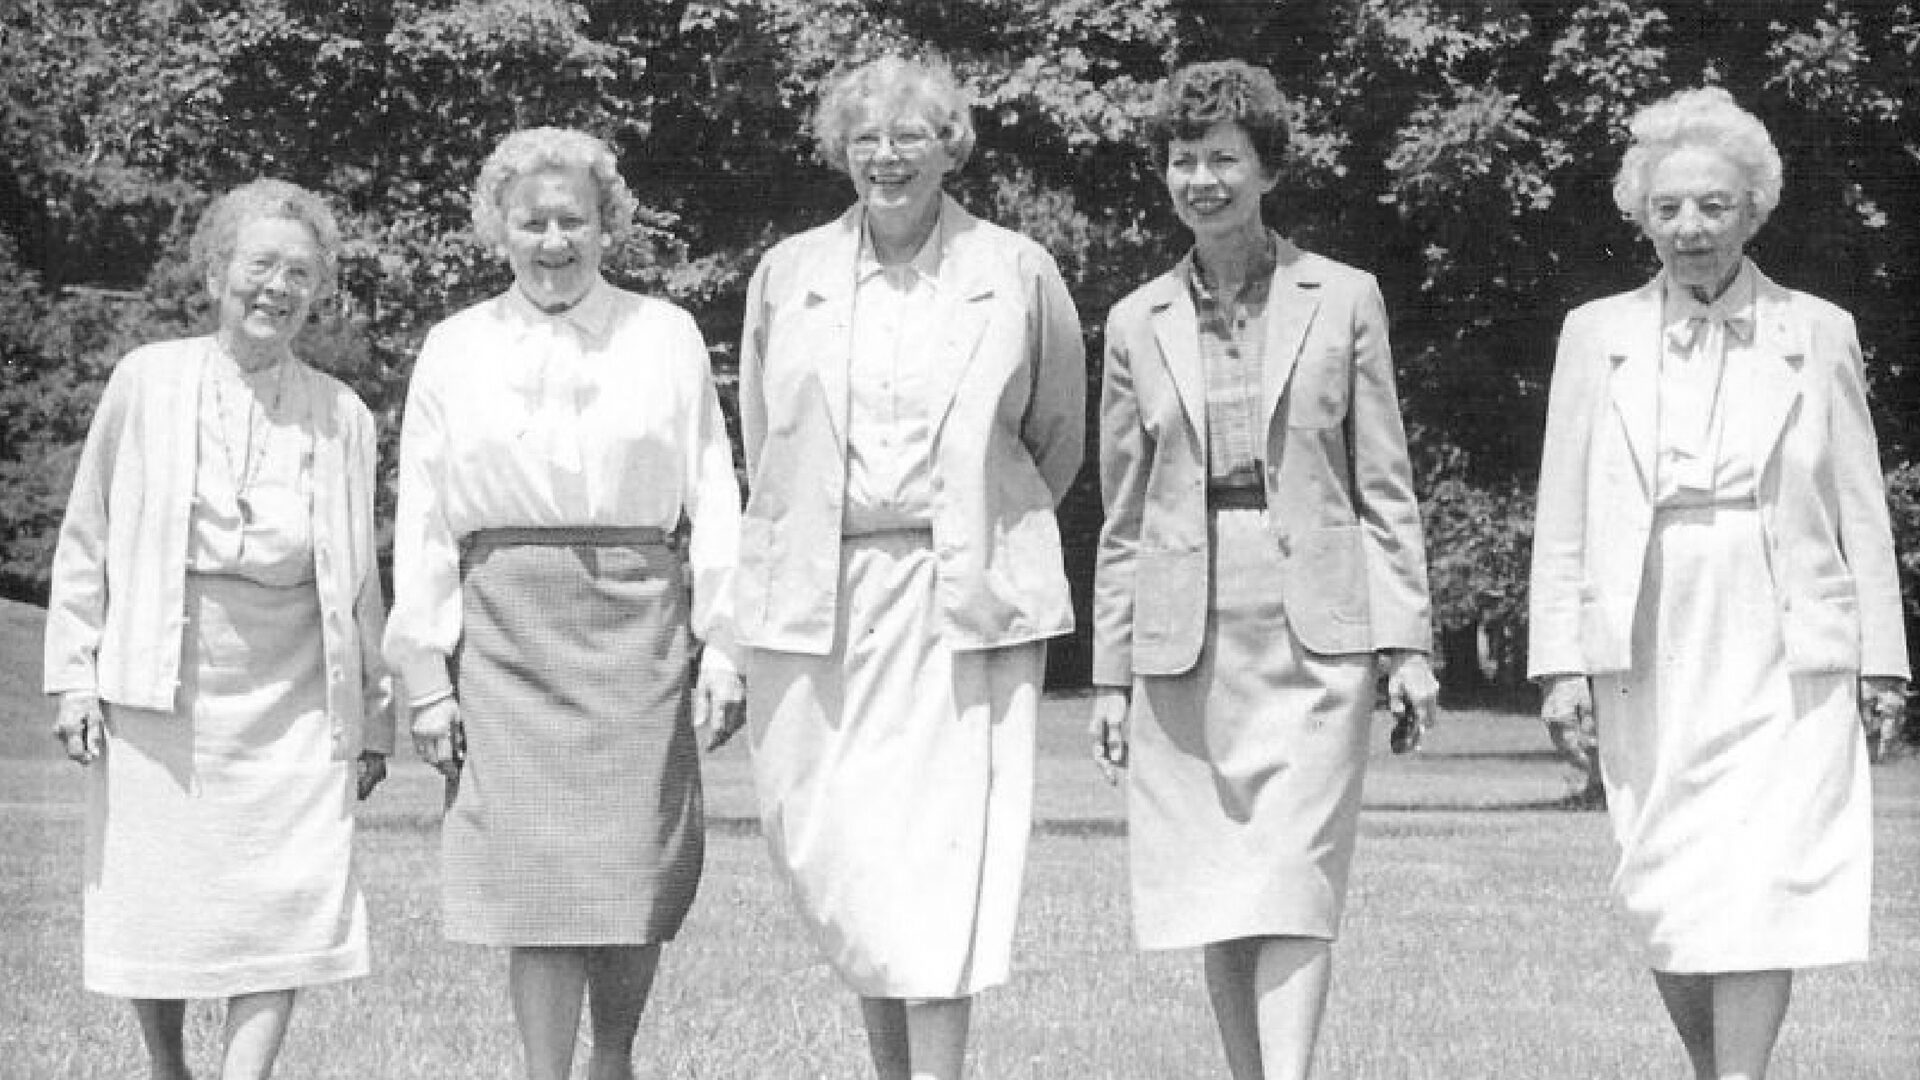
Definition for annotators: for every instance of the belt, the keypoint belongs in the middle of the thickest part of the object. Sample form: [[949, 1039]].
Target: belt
[[569, 536], [1236, 497]]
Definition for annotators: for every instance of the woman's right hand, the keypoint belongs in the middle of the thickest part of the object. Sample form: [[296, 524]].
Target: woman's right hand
[[1566, 707], [437, 737], [80, 725], [1108, 726]]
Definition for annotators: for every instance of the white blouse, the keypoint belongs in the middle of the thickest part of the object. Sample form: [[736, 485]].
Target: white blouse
[[602, 415], [890, 392]]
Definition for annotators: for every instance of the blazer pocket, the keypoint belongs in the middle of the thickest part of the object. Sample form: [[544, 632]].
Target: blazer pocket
[[1318, 392], [1822, 630], [1327, 591]]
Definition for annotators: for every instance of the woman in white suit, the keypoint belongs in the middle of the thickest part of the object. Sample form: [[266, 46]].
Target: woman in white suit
[[912, 395], [1714, 593], [1260, 561]]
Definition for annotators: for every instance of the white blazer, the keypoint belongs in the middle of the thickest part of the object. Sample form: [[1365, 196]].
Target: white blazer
[[1821, 496]]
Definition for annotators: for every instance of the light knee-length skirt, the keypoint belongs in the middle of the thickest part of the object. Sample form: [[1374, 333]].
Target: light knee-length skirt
[[1246, 772], [895, 778], [220, 835], [1739, 792]]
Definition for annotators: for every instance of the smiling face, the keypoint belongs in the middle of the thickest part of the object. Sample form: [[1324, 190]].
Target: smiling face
[[1216, 182], [267, 286], [554, 239], [898, 163], [1699, 216]]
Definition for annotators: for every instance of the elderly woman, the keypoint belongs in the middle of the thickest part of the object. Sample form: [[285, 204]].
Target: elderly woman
[[1714, 589], [912, 394], [1260, 561], [212, 640], [563, 466]]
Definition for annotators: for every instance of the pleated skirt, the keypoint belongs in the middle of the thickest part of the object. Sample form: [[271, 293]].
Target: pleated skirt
[[895, 778], [219, 855], [1244, 788], [1739, 792], [577, 818]]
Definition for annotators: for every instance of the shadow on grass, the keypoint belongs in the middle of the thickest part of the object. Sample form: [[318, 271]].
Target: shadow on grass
[[736, 827]]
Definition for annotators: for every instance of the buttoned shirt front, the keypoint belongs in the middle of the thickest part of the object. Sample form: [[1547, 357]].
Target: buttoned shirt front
[[890, 393], [1233, 334]]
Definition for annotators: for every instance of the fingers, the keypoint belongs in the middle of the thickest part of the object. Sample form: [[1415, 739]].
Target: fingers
[[373, 769], [80, 727], [732, 716]]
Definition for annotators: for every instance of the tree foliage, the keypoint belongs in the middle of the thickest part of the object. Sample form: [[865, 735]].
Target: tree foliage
[[1463, 150]]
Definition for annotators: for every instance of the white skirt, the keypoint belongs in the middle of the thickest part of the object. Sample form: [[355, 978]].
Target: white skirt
[[895, 778], [1739, 793], [220, 836]]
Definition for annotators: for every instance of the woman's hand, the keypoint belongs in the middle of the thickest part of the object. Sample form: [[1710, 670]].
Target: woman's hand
[[80, 725], [719, 706], [437, 737], [1883, 705], [1566, 707], [1413, 696], [372, 770], [1108, 726]]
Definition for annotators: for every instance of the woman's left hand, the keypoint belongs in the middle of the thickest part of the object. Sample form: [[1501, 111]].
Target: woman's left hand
[[372, 770], [1413, 696], [719, 706], [1883, 705]]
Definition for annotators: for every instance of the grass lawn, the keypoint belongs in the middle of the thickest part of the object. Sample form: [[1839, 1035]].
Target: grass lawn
[[1479, 941]]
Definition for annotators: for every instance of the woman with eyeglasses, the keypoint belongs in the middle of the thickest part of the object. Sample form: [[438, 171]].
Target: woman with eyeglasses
[[912, 386], [213, 645]]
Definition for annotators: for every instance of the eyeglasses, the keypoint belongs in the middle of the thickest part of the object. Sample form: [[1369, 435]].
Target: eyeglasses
[[296, 275], [911, 142]]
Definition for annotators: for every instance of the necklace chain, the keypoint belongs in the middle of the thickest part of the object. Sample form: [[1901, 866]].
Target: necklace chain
[[247, 469]]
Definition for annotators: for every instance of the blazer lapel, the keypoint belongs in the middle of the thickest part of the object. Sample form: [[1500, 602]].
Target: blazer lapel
[[1176, 328], [829, 288], [963, 309], [1634, 347], [1780, 350], [1292, 303]]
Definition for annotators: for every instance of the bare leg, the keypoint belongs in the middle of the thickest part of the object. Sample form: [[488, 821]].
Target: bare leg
[[256, 1026], [1689, 1001], [937, 1037], [619, 978], [162, 1026], [546, 985], [1229, 967], [1268, 997], [886, 1020], [1748, 1009]]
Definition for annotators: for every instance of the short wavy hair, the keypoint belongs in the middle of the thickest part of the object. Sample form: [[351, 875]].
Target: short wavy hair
[[1198, 96], [894, 84], [218, 230], [531, 149], [1703, 119]]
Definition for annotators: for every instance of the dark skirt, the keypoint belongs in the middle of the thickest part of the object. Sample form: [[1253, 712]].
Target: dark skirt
[[577, 819]]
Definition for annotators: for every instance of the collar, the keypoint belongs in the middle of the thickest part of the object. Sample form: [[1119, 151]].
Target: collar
[[925, 263], [592, 316], [1685, 317], [1259, 273]]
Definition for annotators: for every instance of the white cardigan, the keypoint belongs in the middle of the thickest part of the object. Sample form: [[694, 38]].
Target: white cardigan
[[119, 573]]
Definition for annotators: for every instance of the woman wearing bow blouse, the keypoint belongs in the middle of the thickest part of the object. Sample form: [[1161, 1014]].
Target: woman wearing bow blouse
[[1714, 592]]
